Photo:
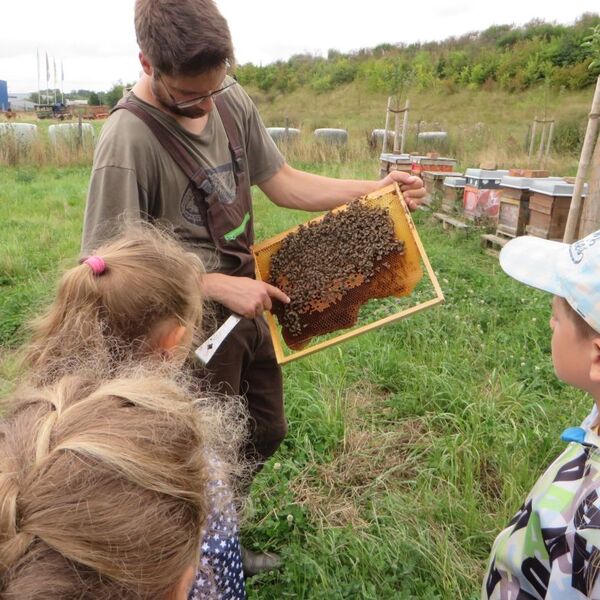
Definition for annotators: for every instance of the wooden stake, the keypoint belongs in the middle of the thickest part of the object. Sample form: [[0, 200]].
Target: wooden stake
[[404, 126], [549, 143], [590, 217], [397, 129], [542, 144], [584, 164], [532, 141], [387, 125]]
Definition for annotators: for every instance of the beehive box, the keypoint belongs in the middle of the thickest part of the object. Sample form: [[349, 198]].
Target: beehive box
[[549, 208], [433, 182], [428, 163], [481, 199], [394, 162], [398, 279], [515, 192], [452, 201]]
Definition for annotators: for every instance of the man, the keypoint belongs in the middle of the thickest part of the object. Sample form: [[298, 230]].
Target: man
[[169, 156]]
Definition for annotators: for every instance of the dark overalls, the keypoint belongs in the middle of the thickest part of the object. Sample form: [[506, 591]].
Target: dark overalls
[[245, 363]]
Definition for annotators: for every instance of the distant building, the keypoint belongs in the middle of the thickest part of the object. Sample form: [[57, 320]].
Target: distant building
[[19, 102], [3, 95]]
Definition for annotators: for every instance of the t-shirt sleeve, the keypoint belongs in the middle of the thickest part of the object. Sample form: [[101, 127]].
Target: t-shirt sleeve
[[118, 188], [115, 197], [264, 158]]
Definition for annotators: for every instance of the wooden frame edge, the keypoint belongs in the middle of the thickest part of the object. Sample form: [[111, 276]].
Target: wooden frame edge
[[282, 359]]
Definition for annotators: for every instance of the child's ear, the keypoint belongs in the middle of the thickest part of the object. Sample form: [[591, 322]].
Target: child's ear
[[595, 362], [169, 336]]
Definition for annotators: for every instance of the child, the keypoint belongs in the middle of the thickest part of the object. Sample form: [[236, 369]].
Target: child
[[138, 299], [103, 489], [551, 548]]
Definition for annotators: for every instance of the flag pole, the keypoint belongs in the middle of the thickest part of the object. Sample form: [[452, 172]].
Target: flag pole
[[55, 83], [38, 76], [47, 78]]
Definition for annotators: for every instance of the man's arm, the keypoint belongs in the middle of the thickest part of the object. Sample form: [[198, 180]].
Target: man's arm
[[292, 188]]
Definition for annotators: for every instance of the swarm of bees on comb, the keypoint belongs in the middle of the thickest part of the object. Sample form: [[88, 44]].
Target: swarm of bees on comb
[[330, 267]]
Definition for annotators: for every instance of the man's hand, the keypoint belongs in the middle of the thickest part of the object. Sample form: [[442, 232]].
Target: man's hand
[[411, 187], [241, 295]]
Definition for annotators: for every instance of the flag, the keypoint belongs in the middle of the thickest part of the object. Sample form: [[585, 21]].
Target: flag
[[47, 69]]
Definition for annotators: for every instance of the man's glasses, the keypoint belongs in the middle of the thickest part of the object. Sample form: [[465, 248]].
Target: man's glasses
[[194, 101]]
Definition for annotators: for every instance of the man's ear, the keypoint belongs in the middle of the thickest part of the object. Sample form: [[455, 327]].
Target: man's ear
[[146, 64], [169, 336], [595, 361]]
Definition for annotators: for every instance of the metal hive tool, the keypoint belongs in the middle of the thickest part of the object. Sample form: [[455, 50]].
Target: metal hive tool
[[396, 271]]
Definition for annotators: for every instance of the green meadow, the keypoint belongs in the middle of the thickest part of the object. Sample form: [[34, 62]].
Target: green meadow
[[409, 448]]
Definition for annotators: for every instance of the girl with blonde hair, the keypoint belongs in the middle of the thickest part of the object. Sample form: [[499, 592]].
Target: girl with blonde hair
[[137, 300], [137, 297], [103, 489]]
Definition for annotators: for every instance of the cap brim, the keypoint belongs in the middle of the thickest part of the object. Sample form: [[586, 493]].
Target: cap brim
[[534, 261]]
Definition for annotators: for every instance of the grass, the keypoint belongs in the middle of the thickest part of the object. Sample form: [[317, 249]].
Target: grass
[[409, 447]]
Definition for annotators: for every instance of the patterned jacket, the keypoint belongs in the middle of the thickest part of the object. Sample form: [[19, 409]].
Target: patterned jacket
[[551, 548]]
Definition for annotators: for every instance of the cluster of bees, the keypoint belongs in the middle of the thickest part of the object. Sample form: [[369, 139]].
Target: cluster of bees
[[320, 262]]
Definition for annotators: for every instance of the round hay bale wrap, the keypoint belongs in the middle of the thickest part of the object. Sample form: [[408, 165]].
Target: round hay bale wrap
[[376, 138], [284, 134], [19, 133], [71, 134], [433, 136], [329, 135]]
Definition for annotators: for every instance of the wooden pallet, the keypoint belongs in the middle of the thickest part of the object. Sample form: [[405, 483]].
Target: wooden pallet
[[450, 222], [494, 242]]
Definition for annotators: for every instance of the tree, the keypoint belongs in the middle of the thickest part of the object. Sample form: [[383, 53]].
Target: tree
[[115, 93], [94, 99]]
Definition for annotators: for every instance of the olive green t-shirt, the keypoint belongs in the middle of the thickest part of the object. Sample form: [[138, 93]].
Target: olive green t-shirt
[[134, 177]]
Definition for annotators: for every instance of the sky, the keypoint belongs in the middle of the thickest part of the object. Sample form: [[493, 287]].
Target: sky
[[95, 41]]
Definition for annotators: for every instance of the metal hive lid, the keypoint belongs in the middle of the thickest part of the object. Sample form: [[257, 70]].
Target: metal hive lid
[[524, 183], [555, 188], [455, 182]]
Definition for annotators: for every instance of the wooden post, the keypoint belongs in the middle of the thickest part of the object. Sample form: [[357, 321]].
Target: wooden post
[[542, 144], [548, 144], [397, 128], [590, 217], [532, 141], [404, 126], [387, 125], [584, 165]]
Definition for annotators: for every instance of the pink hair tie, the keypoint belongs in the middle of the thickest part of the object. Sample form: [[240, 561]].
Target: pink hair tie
[[96, 263]]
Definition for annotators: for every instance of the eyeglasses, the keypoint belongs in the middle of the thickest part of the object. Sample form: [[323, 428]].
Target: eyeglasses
[[194, 101]]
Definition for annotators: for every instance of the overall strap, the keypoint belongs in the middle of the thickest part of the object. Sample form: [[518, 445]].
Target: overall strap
[[169, 142], [235, 146]]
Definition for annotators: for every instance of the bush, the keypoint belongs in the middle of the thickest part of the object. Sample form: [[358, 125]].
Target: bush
[[569, 134]]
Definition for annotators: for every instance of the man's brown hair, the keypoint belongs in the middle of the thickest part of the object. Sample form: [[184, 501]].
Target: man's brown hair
[[183, 36]]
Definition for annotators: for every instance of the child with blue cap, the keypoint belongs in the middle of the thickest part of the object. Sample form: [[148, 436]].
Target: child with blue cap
[[551, 548]]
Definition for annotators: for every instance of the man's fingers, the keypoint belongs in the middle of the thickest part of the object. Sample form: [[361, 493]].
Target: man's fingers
[[419, 193], [276, 293]]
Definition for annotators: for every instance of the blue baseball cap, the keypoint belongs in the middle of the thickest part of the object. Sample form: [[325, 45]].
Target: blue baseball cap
[[571, 271]]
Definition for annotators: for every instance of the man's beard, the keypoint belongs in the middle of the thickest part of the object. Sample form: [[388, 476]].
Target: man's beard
[[193, 112]]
